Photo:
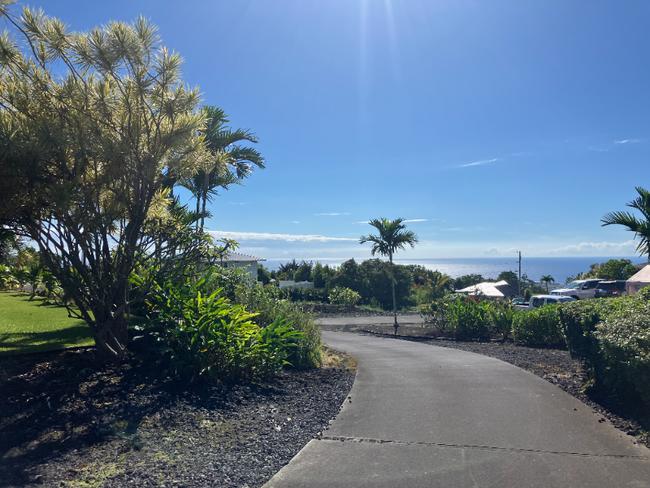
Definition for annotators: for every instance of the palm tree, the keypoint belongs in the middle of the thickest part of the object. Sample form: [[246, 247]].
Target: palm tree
[[392, 237], [641, 228], [231, 162], [547, 279]]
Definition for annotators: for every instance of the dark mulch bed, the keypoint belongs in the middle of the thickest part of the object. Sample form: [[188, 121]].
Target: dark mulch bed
[[555, 366], [65, 420], [328, 310]]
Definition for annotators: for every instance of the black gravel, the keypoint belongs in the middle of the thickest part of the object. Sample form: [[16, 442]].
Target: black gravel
[[66, 421]]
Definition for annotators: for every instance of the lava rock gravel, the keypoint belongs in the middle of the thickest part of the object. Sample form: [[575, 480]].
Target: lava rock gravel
[[65, 420]]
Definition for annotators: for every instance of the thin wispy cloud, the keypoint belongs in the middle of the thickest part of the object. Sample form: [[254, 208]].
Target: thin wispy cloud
[[601, 248], [499, 251], [478, 163], [591, 148], [626, 141], [408, 220], [261, 236], [295, 222], [334, 213]]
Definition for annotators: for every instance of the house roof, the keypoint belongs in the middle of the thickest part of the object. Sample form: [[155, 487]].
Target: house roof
[[500, 289], [237, 256], [643, 276]]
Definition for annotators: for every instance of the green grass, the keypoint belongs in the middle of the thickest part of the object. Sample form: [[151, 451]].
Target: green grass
[[32, 326]]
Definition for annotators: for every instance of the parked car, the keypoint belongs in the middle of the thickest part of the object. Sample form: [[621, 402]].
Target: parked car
[[518, 301], [611, 289], [541, 300], [579, 289]]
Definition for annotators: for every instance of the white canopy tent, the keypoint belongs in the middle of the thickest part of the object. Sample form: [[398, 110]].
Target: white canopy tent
[[638, 281]]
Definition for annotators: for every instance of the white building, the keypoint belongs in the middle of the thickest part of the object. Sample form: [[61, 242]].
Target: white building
[[242, 261]]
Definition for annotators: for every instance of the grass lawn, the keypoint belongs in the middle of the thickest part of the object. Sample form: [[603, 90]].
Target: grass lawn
[[27, 327]]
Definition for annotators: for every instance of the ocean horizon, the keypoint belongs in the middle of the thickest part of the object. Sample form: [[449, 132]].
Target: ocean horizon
[[534, 268]]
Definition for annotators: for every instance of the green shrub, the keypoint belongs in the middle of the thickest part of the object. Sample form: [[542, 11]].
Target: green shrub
[[612, 337], [435, 315], [318, 295], [207, 336], [539, 327], [578, 322], [467, 318], [624, 341], [6, 277], [344, 296], [267, 303], [502, 315]]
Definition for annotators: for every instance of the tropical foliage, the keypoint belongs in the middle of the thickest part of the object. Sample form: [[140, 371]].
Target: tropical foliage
[[344, 296], [201, 335], [612, 337], [547, 279], [230, 162], [640, 226], [392, 236], [91, 125]]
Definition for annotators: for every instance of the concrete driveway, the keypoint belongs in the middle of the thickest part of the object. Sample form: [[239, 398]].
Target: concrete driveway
[[423, 416]]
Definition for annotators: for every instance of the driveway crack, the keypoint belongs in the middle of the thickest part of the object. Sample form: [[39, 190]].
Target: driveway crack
[[485, 448]]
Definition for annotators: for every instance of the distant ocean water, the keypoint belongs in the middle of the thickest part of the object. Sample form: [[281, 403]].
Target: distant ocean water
[[534, 268]]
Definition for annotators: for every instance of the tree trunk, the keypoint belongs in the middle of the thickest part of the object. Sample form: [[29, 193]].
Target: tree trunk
[[392, 282], [111, 336], [206, 182]]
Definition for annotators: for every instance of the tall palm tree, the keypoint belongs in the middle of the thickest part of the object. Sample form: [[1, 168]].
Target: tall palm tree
[[392, 237], [547, 279], [231, 162], [640, 227]]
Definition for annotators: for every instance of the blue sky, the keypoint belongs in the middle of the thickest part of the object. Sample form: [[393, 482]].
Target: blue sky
[[492, 127]]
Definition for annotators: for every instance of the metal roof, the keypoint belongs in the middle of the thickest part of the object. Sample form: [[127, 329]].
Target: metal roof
[[237, 256], [499, 289]]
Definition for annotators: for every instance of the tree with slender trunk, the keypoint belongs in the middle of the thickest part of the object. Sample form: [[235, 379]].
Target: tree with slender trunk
[[547, 279], [640, 227], [91, 126], [392, 237]]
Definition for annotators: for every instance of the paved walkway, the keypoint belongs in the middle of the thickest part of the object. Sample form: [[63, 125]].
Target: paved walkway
[[423, 416]]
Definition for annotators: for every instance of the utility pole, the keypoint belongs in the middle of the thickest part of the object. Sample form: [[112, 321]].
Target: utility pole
[[519, 282]]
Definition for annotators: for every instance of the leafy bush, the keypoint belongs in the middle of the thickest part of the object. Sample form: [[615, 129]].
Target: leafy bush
[[267, 303], [318, 295], [207, 336], [460, 317], [624, 341], [469, 319], [344, 296], [612, 336], [6, 277], [436, 316], [539, 327], [502, 315], [578, 322]]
